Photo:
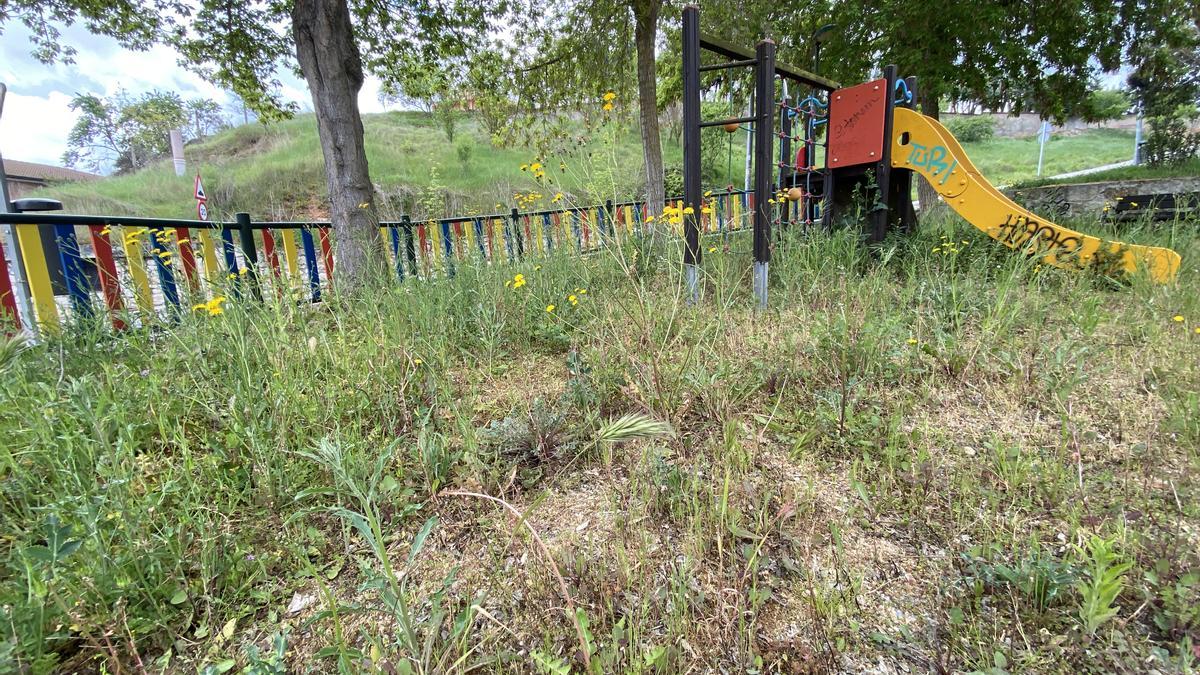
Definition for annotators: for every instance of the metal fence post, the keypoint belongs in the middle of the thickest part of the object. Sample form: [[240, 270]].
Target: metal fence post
[[691, 150], [764, 92], [249, 251]]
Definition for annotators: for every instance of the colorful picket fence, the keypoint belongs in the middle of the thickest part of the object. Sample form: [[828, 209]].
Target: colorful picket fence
[[144, 269]]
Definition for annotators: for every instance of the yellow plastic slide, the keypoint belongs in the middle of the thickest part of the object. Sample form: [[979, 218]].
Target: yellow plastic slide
[[923, 145]]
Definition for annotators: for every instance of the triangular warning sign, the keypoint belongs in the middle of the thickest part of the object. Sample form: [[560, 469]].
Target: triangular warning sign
[[200, 189]]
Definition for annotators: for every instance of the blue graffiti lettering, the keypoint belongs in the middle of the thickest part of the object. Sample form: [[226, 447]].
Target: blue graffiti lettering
[[933, 159]]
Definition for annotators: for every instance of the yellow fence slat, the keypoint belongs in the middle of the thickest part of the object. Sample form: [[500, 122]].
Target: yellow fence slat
[[37, 274], [131, 243], [291, 254]]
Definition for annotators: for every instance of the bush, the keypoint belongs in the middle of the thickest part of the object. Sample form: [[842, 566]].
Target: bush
[[972, 128], [1170, 139]]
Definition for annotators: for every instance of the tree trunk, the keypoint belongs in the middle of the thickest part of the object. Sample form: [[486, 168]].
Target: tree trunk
[[926, 193], [645, 14], [332, 67]]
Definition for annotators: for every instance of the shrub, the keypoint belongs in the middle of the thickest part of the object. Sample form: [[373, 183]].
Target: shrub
[[1171, 140], [972, 128]]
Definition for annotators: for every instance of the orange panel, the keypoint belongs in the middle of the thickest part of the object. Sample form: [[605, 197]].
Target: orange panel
[[856, 117]]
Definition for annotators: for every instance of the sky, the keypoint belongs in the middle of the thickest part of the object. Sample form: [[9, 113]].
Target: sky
[[37, 117]]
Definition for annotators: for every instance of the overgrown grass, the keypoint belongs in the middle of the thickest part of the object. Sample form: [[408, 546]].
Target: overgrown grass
[[951, 461], [1143, 171]]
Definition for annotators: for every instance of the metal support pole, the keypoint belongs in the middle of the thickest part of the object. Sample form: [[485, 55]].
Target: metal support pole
[[249, 252], [21, 285], [1043, 136], [1137, 141], [764, 134], [692, 193], [883, 168]]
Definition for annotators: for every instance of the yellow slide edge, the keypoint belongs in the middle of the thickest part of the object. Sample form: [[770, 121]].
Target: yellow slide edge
[[922, 144]]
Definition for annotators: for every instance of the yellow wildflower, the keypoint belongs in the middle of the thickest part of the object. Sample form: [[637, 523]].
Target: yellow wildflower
[[417, 362], [687, 211], [608, 106], [1178, 318], [608, 96], [912, 341], [550, 308], [712, 249]]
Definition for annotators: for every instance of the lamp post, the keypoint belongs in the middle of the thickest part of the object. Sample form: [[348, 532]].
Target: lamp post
[[21, 287], [819, 37]]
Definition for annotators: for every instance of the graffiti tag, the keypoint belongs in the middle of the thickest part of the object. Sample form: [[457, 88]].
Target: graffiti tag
[[1037, 238], [933, 159]]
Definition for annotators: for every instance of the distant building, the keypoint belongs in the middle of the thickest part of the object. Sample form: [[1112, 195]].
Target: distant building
[[24, 178]]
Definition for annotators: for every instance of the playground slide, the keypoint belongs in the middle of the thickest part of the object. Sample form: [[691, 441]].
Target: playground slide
[[923, 145]]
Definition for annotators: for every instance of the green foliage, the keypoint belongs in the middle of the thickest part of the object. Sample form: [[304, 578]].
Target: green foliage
[[1170, 140], [463, 150], [1104, 583], [1103, 105], [1040, 578], [127, 131], [1166, 79], [972, 128]]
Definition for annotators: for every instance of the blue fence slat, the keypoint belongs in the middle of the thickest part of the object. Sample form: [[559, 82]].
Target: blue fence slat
[[166, 275], [395, 232], [448, 246], [72, 266], [310, 263], [479, 239], [548, 232]]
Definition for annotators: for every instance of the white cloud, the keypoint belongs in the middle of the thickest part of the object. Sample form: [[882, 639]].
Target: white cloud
[[35, 129]]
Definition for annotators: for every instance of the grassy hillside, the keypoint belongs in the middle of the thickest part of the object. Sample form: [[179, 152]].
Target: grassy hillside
[[277, 171], [944, 458]]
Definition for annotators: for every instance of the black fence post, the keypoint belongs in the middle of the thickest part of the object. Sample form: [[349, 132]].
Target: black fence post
[[764, 92], [881, 213], [786, 171], [902, 178], [410, 247], [514, 220], [249, 252], [691, 148]]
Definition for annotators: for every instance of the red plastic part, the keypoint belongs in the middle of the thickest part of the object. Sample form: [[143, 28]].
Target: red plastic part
[[856, 121], [8, 301]]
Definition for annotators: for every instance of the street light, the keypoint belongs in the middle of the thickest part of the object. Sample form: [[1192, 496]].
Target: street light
[[821, 36]]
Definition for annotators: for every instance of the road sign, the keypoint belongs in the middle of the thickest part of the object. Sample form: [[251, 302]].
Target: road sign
[[201, 210], [200, 189]]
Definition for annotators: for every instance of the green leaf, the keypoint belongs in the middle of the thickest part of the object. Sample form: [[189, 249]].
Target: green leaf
[[179, 597], [419, 540]]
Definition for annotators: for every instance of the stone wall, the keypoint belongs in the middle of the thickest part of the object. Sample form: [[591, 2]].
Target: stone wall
[[1028, 124], [1089, 199]]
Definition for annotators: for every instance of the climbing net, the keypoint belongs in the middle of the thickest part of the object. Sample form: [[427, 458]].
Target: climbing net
[[803, 183]]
